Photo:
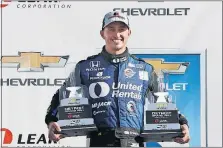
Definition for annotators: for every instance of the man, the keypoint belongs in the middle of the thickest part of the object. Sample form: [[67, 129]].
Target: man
[[121, 80]]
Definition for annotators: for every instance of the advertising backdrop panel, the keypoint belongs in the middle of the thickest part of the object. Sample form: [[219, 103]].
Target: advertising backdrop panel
[[185, 82], [41, 41]]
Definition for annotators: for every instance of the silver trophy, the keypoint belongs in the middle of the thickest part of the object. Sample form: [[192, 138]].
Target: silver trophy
[[161, 117], [74, 111]]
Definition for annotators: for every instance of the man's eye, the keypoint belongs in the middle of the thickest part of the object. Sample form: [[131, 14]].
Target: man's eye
[[111, 29], [122, 29]]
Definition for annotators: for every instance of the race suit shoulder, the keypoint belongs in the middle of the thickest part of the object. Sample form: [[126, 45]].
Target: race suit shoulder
[[74, 79], [117, 88]]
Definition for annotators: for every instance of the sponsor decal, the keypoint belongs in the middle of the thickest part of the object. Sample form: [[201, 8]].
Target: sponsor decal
[[9, 138], [129, 73], [131, 107], [101, 104], [33, 61], [154, 11]]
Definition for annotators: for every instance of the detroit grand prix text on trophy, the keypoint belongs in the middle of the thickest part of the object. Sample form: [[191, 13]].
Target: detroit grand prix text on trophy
[[75, 111], [161, 117]]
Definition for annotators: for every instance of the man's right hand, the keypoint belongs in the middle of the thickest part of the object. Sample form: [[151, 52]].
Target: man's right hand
[[53, 126]]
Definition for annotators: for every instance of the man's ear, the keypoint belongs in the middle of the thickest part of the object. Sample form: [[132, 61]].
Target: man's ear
[[130, 32], [102, 33]]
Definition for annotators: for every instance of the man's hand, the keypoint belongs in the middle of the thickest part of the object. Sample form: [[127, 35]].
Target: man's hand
[[186, 135], [53, 126]]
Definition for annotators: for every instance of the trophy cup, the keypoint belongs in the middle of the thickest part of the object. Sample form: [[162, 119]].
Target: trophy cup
[[74, 111], [161, 118]]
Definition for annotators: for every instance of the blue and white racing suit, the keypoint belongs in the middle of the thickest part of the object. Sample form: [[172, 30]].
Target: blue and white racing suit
[[117, 86]]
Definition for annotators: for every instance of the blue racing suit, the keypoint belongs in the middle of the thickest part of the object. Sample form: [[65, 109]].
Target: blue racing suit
[[117, 86]]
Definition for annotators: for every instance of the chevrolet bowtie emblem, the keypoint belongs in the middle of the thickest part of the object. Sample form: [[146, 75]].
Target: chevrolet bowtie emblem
[[33, 61], [168, 67]]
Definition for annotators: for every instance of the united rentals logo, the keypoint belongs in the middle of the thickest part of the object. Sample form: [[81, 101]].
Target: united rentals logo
[[168, 67], [33, 61]]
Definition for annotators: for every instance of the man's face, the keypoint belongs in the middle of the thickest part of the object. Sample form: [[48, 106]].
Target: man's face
[[116, 35]]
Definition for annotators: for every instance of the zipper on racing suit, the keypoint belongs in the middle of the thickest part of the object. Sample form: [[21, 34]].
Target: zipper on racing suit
[[116, 77]]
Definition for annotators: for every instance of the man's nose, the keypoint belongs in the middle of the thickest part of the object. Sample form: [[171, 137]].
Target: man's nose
[[117, 34]]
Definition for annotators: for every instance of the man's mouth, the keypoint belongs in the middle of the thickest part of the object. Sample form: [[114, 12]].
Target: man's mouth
[[116, 41]]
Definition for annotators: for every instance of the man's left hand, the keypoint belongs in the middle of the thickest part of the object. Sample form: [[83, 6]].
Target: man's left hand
[[186, 135]]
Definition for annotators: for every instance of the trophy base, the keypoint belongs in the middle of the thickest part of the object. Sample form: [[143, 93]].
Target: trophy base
[[84, 130], [160, 135]]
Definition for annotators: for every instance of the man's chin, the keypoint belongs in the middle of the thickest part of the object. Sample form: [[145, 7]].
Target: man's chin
[[117, 48]]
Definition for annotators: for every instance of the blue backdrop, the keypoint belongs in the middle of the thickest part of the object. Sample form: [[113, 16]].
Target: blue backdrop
[[188, 101]]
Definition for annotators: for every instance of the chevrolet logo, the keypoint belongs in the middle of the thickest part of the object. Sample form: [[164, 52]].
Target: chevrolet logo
[[168, 67], [33, 61], [72, 100], [161, 105]]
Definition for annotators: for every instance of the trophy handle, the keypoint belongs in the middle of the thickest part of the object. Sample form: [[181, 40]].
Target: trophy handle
[[59, 132]]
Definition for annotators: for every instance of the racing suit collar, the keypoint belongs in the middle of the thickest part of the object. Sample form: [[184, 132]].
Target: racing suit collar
[[115, 58]]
